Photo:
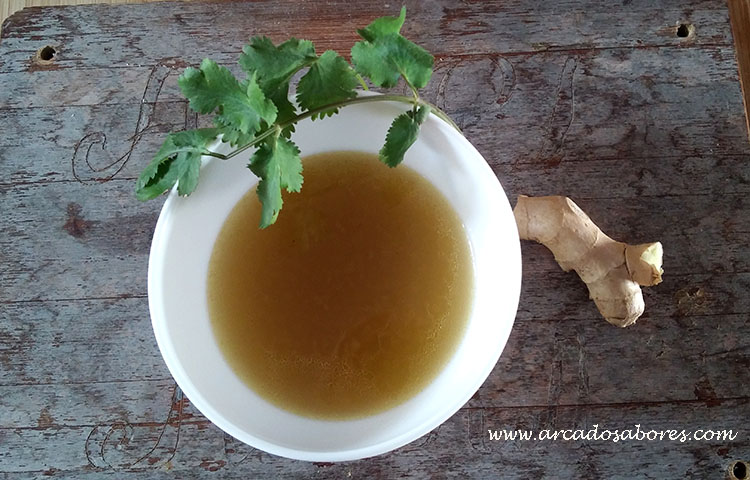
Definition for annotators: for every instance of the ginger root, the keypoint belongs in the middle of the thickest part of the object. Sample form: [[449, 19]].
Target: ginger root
[[612, 270]]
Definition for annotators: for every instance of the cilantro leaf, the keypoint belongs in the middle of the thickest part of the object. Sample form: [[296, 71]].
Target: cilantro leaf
[[278, 165], [231, 135], [274, 67], [177, 161], [241, 106], [287, 111], [402, 134], [385, 55], [383, 26], [330, 79]]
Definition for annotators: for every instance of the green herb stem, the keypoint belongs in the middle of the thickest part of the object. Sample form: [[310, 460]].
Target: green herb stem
[[361, 81], [331, 106]]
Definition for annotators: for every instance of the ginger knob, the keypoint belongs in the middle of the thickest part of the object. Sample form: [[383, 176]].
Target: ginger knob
[[612, 270]]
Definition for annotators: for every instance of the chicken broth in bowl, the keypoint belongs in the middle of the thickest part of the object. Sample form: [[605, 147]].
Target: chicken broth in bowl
[[390, 320], [353, 300]]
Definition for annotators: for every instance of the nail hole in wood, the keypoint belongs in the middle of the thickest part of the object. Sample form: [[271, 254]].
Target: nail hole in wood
[[47, 53], [683, 30], [739, 470]]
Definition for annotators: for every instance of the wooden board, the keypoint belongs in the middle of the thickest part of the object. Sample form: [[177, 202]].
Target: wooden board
[[8, 7], [739, 11], [605, 103]]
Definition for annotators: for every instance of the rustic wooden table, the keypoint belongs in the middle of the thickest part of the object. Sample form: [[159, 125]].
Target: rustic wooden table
[[633, 110]]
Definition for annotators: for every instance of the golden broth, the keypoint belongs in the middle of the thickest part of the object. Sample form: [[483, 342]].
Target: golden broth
[[354, 300]]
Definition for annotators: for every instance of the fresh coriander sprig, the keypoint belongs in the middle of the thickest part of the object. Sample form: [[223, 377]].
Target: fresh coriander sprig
[[256, 112]]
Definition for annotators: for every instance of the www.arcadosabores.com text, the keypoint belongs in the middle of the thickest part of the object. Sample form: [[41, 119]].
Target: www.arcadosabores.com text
[[608, 435]]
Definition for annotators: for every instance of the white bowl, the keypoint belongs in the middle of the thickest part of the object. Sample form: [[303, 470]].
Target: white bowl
[[178, 265]]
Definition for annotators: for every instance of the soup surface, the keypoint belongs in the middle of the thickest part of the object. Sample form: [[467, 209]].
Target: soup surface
[[354, 300]]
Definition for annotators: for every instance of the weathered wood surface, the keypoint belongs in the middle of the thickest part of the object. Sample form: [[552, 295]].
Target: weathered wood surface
[[739, 12], [604, 103]]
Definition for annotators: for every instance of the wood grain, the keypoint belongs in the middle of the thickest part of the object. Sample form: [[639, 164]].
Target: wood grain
[[605, 103], [204, 450], [739, 12], [116, 36], [8, 7]]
